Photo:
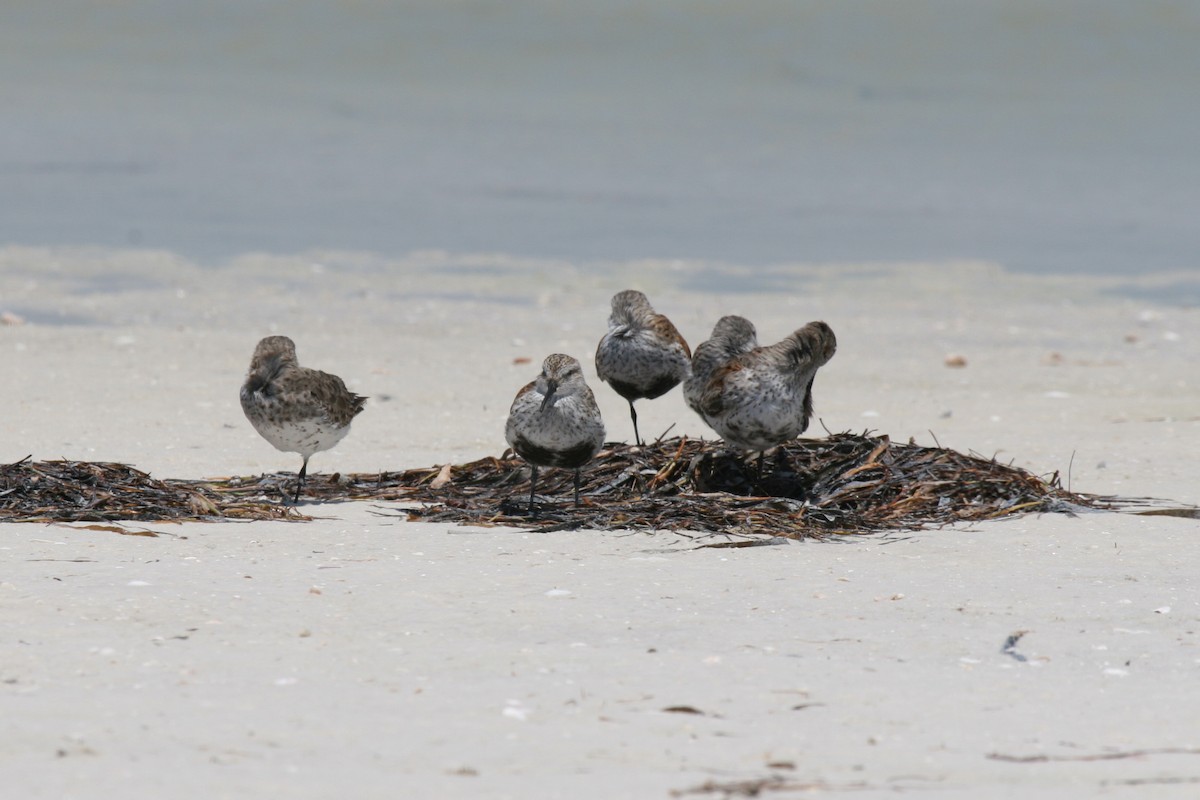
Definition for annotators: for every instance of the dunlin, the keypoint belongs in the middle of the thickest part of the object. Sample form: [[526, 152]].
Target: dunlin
[[299, 410], [763, 397], [555, 422], [731, 336], [642, 355]]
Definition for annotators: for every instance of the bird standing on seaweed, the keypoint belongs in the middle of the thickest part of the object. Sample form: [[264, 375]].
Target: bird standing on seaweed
[[554, 421], [299, 410], [642, 355], [761, 397]]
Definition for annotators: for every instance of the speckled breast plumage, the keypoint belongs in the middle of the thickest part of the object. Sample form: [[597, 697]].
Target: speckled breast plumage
[[759, 412], [565, 434], [640, 363], [288, 430]]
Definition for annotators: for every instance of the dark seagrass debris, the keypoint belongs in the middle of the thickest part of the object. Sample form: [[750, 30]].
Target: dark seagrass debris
[[810, 488], [86, 491]]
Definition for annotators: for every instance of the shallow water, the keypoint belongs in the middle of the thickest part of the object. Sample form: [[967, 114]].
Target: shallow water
[[1040, 136]]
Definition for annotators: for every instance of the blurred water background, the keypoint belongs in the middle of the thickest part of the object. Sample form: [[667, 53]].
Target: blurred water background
[[1045, 135]]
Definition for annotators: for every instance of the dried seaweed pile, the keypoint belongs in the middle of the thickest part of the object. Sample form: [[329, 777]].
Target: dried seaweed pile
[[86, 491], [845, 483], [809, 488]]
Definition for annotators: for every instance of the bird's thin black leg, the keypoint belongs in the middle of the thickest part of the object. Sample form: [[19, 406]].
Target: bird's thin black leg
[[532, 487], [300, 481], [633, 415], [577, 483]]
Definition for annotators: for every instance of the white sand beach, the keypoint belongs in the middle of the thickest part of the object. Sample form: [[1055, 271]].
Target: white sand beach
[[992, 204], [363, 655]]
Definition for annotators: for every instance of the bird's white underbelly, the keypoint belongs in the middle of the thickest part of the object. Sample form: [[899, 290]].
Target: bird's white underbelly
[[759, 426], [304, 436]]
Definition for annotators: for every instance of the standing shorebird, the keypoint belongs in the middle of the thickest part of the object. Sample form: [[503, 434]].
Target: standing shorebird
[[762, 397], [642, 355], [555, 422], [299, 410], [731, 336]]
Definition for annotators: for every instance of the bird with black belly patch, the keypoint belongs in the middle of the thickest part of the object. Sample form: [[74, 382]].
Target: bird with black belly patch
[[554, 421], [643, 355]]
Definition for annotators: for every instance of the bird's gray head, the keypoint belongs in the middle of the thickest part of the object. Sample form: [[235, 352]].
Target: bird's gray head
[[271, 352], [561, 376], [627, 307], [736, 333]]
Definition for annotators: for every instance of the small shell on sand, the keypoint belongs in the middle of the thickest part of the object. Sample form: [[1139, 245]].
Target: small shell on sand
[[956, 361]]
